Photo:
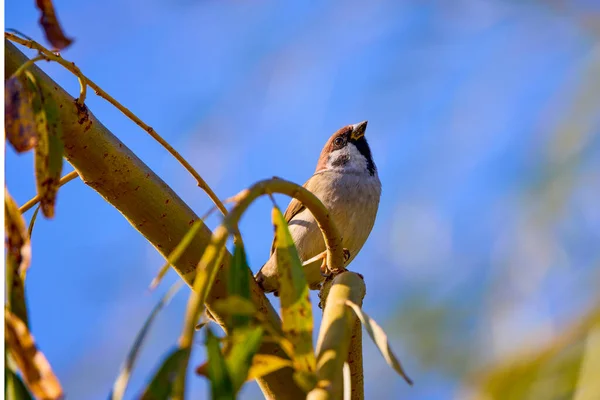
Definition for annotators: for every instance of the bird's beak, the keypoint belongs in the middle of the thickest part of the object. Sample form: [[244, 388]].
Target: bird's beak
[[358, 130]]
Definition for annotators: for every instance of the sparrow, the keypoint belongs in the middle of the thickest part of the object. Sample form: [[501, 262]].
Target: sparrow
[[347, 183]]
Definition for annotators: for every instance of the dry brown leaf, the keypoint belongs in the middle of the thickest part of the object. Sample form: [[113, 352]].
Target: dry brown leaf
[[17, 236], [32, 363], [18, 256], [19, 122], [52, 29]]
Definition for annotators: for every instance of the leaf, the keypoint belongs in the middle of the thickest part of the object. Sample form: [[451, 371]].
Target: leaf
[[32, 363], [120, 385], [296, 310], [14, 388], [206, 272], [18, 257], [238, 283], [245, 342], [380, 339], [32, 221], [161, 386], [52, 29], [176, 253], [19, 123], [49, 148], [221, 387], [264, 364]]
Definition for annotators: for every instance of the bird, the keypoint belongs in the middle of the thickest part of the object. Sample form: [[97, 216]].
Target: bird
[[347, 183]]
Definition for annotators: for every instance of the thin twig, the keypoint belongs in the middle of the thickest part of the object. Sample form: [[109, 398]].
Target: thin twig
[[65, 179], [84, 80], [50, 56]]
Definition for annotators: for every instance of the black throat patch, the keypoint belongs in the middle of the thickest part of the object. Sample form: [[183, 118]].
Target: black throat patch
[[363, 147]]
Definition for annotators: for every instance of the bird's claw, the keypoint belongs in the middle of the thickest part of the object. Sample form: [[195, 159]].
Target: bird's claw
[[346, 255], [325, 272]]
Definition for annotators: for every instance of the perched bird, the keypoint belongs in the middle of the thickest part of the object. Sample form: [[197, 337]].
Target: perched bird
[[347, 183]]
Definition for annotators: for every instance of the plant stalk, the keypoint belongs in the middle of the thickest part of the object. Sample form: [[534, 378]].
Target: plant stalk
[[338, 341]]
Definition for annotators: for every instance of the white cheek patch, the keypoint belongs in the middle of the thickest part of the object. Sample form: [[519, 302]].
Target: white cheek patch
[[348, 159]]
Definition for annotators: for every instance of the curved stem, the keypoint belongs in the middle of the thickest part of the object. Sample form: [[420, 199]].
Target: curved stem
[[210, 261], [28, 64], [331, 236], [84, 81]]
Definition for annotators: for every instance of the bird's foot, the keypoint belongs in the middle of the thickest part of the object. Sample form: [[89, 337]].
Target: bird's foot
[[346, 254], [325, 272]]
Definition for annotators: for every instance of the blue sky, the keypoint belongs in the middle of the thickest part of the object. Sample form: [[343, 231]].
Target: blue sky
[[478, 125]]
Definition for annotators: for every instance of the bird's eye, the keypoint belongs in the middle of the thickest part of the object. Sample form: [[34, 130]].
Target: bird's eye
[[339, 141]]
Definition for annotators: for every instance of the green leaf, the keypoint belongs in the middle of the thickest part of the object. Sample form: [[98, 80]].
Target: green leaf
[[177, 252], [239, 278], [14, 388], [161, 386], [19, 122], [49, 147], [118, 390], [238, 283], [221, 386], [245, 342], [296, 310], [18, 257], [380, 339]]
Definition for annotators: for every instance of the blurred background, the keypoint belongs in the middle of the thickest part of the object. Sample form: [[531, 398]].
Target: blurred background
[[484, 123]]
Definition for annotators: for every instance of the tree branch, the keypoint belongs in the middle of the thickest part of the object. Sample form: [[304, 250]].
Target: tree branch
[[104, 163], [84, 81]]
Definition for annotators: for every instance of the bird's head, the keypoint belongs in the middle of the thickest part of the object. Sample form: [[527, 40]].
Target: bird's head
[[347, 150]]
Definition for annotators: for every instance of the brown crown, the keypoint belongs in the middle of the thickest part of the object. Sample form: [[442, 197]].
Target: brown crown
[[328, 148]]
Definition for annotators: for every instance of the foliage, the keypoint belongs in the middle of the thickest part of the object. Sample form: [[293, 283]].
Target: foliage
[[34, 122]]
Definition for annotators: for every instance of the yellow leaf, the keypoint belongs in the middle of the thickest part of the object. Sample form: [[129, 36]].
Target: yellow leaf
[[264, 364], [296, 310], [32, 363]]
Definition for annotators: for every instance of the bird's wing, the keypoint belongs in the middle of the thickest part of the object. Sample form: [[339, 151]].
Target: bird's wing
[[295, 207]]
